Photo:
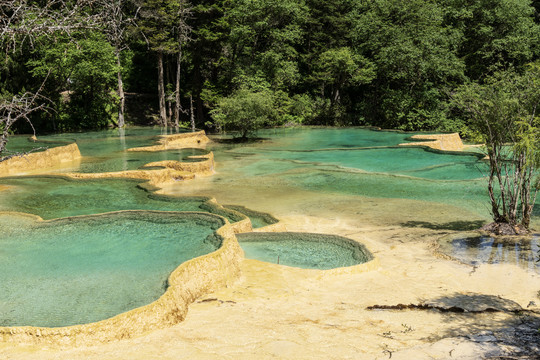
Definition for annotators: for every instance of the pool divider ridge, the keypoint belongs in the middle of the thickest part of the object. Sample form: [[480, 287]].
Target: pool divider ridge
[[189, 281]]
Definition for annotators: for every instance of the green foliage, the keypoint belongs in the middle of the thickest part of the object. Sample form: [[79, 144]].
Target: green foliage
[[296, 110], [245, 112], [415, 58], [502, 111], [339, 67], [263, 39], [85, 73], [387, 63], [495, 33], [158, 18]]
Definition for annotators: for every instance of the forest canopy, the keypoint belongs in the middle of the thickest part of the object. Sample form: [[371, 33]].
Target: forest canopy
[[386, 63]]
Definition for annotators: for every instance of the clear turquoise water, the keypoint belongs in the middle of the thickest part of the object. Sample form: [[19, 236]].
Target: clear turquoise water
[[21, 144], [331, 138], [105, 142], [128, 160], [258, 219], [479, 250], [344, 161], [53, 197], [303, 250], [357, 161], [106, 151], [356, 149], [413, 162], [81, 270]]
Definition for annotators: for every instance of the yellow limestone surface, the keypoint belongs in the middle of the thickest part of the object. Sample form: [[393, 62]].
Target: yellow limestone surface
[[203, 167], [39, 161], [189, 281], [279, 312], [446, 142], [177, 141], [172, 171]]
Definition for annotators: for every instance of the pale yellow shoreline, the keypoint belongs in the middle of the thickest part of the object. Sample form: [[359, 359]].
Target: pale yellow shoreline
[[443, 142], [275, 311]]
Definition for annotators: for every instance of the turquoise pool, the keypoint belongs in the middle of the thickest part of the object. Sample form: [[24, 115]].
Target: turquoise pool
[[85, 269], [303, 250]]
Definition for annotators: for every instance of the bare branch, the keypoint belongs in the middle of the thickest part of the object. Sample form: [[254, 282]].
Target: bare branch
[[20, 22]]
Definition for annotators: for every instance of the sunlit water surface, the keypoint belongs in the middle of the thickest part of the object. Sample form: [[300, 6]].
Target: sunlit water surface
[[304, 250], [320, 162], [80, 270]]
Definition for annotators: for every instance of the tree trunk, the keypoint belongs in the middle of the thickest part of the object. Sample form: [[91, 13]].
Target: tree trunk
[[168, 98], [177, 105], [528, 198], [197, 88], [121, 95], [161, 91], [192, 114]]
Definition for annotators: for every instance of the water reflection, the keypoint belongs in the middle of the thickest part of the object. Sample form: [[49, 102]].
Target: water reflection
[[477, 250]]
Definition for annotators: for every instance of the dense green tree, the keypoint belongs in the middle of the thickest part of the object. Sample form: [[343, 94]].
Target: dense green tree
[[503, 113], [387, 63], [24, 27], [81, 71], [328, 26], [183, 30], [495, 33], [157, 25], [244, 112], [116, 23], [338, 68], [263, 40], [416, 61], [206, 55]]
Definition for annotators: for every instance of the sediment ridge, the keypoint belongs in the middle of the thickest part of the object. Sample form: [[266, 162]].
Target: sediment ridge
[[444, 142], [188, 282], [40, 161]]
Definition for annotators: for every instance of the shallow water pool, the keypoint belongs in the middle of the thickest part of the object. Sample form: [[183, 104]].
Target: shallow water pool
[[477, 250], [85, 269], [303, 250], [53, 197]]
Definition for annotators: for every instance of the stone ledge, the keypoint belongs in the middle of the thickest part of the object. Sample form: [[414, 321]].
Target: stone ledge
[[38, 161], [189, 281], [445, 142], [177, 141]]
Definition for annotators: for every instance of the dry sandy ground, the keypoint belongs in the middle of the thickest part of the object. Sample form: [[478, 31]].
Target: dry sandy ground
[[278, 312]]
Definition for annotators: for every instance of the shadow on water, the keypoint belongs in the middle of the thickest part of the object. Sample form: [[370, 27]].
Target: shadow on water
[[453, 225], [239, 140]]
